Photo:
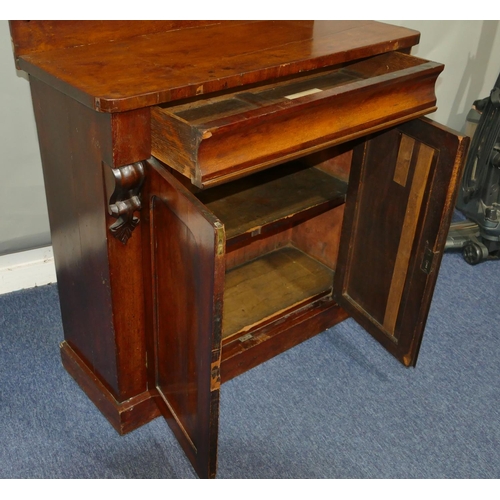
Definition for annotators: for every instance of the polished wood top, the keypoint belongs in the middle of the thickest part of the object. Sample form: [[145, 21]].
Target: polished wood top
[[159, 67]]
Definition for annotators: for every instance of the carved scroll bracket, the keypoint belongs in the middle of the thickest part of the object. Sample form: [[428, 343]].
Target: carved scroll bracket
[[125, 199]]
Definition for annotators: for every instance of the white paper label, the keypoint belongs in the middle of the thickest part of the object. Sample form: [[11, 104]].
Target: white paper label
[[303, 93]]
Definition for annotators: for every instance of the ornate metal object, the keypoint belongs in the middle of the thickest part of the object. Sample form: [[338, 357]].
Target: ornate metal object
[[125, 199]]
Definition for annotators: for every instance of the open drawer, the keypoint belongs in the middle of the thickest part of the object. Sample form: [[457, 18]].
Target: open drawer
[[214, 140]]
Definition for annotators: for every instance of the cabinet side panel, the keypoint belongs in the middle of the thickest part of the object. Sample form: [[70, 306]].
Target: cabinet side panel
[[73, 140], [75, 198]]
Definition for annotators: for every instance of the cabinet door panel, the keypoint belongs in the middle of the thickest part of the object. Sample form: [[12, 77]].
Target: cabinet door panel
[[399, 204], [187, 260]]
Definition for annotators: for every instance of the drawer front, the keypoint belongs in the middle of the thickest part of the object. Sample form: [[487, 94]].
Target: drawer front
[[215, 140]]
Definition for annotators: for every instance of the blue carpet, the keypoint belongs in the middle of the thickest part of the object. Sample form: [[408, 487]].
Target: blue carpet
[[337, 406]]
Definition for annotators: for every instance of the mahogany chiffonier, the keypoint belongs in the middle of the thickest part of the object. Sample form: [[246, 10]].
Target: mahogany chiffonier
[[219, 192]]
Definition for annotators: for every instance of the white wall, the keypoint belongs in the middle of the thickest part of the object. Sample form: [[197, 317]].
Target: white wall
[[23, 211], [469, 49]]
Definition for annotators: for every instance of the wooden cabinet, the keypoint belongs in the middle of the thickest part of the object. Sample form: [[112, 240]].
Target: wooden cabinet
[[207, 217]]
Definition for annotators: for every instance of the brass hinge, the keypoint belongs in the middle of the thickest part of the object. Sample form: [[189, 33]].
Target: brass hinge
[[221, 238], [215, 375]]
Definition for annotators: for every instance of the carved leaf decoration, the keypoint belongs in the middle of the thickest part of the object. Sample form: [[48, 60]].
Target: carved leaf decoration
[[122, 228]]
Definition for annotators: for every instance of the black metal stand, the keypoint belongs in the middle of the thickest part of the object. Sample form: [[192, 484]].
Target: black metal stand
[[479, 195]]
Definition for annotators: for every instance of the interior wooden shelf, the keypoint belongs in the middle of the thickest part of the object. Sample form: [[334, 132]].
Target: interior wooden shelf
[[264, 288], [285, 194]]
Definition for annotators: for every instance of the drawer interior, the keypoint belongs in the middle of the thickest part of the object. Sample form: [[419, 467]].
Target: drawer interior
[[202, 112]]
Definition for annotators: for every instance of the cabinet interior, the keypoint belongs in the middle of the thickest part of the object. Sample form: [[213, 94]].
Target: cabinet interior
[[282, 234]]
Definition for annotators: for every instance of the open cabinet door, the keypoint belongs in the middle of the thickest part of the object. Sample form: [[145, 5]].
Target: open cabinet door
[[400, 199], [187, 267]]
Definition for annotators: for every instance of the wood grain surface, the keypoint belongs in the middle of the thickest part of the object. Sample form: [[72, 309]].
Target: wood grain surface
[[151, 68], [268, 286], [285, 194]]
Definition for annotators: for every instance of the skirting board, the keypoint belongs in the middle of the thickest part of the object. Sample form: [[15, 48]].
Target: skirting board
[[27, 269]]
